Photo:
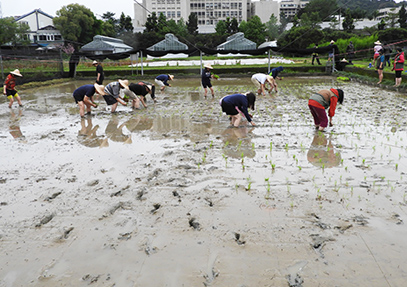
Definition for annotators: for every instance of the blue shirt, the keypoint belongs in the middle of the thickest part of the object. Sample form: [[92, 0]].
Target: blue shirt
[[164, 79], [86, 90], [240, 101]]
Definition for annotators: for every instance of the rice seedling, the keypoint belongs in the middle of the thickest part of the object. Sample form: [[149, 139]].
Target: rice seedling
[[226, 159]]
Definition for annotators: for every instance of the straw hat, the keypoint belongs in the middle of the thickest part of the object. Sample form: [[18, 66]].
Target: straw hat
[[124, 83], [150, 87], [344, 60], [171, 77], [377, 43], [208, 66], [332, 41], [16, 72], [269, 79], [95, 62], [100, 89]]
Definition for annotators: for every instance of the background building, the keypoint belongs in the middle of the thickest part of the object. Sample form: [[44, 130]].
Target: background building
[[42, 30]]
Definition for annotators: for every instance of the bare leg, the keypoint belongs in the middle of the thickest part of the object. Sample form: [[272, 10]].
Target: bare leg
[[114, 107], [213, 93], [205, 92], [236, 120], [11, 102], [19, 101], [81, 108]]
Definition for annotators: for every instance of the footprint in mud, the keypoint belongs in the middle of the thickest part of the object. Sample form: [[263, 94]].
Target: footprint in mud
[[53, 196], [238, 239], [45, 220], [295, 281], [195, 224], [155, 209], [66, 233], [210, 277]]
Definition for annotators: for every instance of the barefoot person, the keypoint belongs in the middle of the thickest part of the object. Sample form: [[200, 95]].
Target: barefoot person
[[162, 81], [99, 72], [206, 80], [137, 93], [398, 66], [84, 97], [236, 105], [321, 101], [260, 80], [9, 88], [112, 93]]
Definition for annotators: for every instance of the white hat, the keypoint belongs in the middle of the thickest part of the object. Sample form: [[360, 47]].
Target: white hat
[[208, 66], [124, 83], [344, 60], [150, 87], [171, 77], [16, 72], [377, 43], [269, 79], [95, 62], [332, 41], [100, 89]]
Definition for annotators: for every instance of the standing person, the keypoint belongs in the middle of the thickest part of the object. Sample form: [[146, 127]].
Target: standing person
[[387, 53], [141, 89], [9, 88], [236, 104], [99, 72], [350, 50], [206, 80], [322, 100], [112, 93], [331, 51], [84, 97], [380, 65], [315, 55], [260, 80], [398, 66], [162, 81], [378, 46]]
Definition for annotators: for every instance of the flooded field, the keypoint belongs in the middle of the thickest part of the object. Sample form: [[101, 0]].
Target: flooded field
[[172, 196]]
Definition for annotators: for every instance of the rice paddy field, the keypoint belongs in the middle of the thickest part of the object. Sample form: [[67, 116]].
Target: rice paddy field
[[171, 195]]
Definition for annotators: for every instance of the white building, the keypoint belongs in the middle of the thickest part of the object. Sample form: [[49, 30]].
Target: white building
[[42, 31], [209, 12]]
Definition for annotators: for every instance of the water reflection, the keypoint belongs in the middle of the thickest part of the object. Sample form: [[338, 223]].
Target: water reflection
[[321, 152], [236, 143], [139, 123], [14, 125], [87, 135], [114, 131]]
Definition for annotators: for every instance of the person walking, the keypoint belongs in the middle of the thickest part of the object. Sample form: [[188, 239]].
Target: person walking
[[84, 97], [315, 55], [206, 79], [9, 88], [398, 65], [321, 101], [162, 81], [237, 104], [99, 72], [378, 46]]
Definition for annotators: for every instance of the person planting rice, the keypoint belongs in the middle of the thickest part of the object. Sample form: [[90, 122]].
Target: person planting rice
[[322, 100], [84, 97], [237, 104], [137, 92], [162, 81], [112, 93], [260, 80]]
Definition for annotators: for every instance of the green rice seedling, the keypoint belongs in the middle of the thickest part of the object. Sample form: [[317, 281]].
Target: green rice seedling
[[226, 159], [240, 144], [226, 144], [211, 144], [397, 166], [204, 157], [299, 167], [249, 183], [253, 146], [286, 147], [271, 146]]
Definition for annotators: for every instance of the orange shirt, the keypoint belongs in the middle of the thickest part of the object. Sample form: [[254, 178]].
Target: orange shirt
[[10, 82]]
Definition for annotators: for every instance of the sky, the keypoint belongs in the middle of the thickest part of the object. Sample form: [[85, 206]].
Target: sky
[[21, 7]]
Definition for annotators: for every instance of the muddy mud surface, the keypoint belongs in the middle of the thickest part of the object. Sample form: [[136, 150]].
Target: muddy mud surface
[[172, 196]]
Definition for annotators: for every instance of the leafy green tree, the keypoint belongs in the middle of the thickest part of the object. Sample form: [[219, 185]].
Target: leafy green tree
[[392, 34], [283, 21], [221, 28], [272, 27], [402, 17], [323, 9], [234, 26], [347, 23], [255, 30], [109, 29], [125, 23], [381, 25], [161, 23], [152, 23], [301, 37], [77, 23], [13, 32], [192, 24]]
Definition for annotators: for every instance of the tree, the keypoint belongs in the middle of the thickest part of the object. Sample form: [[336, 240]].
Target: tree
[[381, 25], [301, 37], [347, 23], [255, 30], [125, 23], [13, 32], [402, 17], [221, 28], [284, 21], [234, 26], [324, 9], [77, 23], [272, 28], [192, 24], [161, 23], [152, 23]]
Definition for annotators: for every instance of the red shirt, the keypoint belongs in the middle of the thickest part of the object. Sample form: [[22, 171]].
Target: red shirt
[[10, 82]]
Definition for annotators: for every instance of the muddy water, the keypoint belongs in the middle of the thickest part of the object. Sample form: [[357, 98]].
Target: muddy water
[[172, 196]]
